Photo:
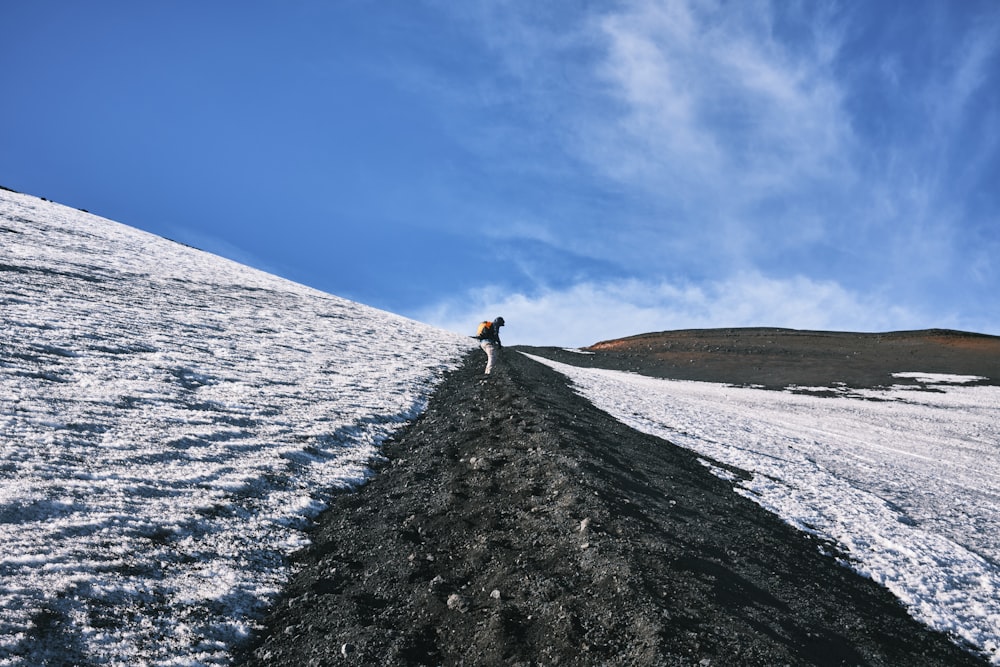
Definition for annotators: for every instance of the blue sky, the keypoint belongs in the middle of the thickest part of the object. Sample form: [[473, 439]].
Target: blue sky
[[586, 169]]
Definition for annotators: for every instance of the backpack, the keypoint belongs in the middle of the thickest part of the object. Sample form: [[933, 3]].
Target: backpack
[[484, 331]]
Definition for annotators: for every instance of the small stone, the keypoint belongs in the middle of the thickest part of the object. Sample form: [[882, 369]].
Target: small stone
[[584, 525], [457, 602], [495, 594]]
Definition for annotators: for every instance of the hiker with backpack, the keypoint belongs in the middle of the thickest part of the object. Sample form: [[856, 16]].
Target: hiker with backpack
[[489, 336]]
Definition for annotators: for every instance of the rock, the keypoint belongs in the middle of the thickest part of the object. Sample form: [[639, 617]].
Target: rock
[[457, 603]]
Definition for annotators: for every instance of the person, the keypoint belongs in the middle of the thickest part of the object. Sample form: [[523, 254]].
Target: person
[[489, 337]]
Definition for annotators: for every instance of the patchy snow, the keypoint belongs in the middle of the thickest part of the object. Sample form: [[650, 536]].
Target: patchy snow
[[938, 378], [906, 480], [169, 421]]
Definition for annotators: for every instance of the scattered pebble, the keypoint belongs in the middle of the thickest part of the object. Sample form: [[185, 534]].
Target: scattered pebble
[[457, 602]]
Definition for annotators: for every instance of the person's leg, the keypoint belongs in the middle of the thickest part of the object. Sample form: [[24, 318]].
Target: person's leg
[[488, 349]]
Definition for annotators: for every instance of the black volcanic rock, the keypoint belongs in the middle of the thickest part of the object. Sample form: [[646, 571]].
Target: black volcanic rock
[[515, 524]]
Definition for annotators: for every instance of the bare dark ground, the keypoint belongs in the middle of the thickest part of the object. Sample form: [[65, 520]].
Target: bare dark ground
[[776, 358], [515, 524]]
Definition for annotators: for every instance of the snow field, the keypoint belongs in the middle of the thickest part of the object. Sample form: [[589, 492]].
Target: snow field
[[169, 421], [905, 481]]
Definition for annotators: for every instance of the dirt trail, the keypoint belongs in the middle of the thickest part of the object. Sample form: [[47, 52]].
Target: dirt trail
[[515, 524]]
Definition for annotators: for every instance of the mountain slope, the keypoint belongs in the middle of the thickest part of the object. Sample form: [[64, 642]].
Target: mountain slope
[[777, 358], [169, 421], [516, 524], [904, 479]]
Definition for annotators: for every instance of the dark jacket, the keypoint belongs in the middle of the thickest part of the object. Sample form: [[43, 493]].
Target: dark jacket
[[492, 334]]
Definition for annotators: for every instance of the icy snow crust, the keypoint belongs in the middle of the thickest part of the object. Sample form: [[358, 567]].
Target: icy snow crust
[[906, 481], [169, 421]]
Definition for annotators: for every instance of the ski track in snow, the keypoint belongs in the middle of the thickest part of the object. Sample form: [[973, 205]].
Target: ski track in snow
[[169, 422], [905, 481]]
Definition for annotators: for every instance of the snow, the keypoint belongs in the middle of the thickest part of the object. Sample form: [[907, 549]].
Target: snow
[[939, 378], [905, 480], [169, 422]]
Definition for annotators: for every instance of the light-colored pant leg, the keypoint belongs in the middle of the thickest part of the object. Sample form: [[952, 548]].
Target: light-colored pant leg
[[490, 351]]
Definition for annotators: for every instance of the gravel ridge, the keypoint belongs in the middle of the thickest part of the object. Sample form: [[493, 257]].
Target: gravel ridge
[[515, 524]]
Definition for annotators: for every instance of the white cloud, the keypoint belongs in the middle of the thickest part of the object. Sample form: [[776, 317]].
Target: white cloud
[[848, 145], [710, 97], [963, 75], [589, 312], [712, 131]]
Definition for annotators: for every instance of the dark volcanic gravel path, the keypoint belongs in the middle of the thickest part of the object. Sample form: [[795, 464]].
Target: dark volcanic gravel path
[[515, 524]]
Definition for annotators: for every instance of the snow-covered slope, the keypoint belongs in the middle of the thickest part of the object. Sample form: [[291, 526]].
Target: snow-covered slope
[[168, 421], [907, 482]]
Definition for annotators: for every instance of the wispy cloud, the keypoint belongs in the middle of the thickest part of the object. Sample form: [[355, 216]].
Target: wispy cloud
[[965, 69], [811, 165], [697, 117], [710, 99], [588, 312], [931, 168]]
